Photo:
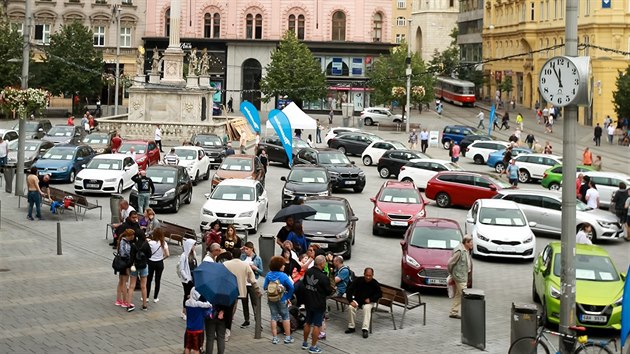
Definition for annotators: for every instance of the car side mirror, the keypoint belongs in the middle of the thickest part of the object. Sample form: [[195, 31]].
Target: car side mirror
[[354, 218], [83, 166], [373, 200], [42, 150], [493, 188], [532, 224], [352, 162], [470, 220], [403, 244], [126, 168], [207, 195], [622, 276], [284, 179]]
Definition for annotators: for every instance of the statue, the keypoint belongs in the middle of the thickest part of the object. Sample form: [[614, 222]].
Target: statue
[[192, 62], [205, 62], [140, 62], [155, 61]]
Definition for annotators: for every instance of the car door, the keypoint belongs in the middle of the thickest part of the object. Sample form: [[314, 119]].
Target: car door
[[261, 200], [532, 207], [183, 183], [463, 192], [378, 149], [204, 162], [552, 214], [80, 159], [484, 188], [153, 153], [130, 169], [542, 266]]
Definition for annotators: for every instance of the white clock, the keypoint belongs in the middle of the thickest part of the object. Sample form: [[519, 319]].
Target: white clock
[[564, 81]]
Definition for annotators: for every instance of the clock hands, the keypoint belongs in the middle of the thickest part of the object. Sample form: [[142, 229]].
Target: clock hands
[[559, 78]]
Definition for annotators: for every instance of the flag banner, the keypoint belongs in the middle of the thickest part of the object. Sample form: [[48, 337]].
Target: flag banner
[[251, 114], [281, 124]]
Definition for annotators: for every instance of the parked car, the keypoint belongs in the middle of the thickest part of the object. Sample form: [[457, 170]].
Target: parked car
[[607, 183], [376, 150], [396, 206], [545, 208], [456, 133], [552, 178], [333, 132], [469, 139], [533, 166], [33, 150], [64, 134], [352, 143], [173, 187], [100, 141], [499, 228], [240, 167], [420, 171], [343, 172], [212, 145], [390, 163], [479, 150], [426, 248], [378, 115], [107, 173], [195, 160], [276, 152], [333, 226], [34, 129], [146, 153], [8, 135], [63, 161], [304, 181], [495, 159], [462, 188], [598, 287], [242, 202]]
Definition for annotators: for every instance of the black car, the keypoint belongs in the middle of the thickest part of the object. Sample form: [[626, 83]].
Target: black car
[[173, 186], [65, 134], [469, 139], [343, 172], [34, 129], [33, 150], [304, 181], [100, 141], [276, 152], [333, 227], [352, 142], [392, 160], [212, 145]]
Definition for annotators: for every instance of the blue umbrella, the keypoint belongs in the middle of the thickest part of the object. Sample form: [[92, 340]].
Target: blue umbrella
[[216, 283]]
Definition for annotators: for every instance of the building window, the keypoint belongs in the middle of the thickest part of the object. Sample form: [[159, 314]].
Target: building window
[[451, 3], [402, 4], [212, 25], [259, 27], [42, 34], [377, 28], [555, 9], [127, 2], [19, 28], [167, 22], [99, 36], [301, 26], [401, 21], [532, 12], [400, 38], [125, 37], [548, 11], [339, 26], [249, 26], [587, 10], [542, 10], [296, 25], [292, 23]]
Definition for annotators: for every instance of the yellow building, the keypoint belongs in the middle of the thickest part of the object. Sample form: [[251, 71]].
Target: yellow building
[[401, 12], [517, 26]]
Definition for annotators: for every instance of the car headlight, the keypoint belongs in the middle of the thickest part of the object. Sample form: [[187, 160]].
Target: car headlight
[[618, 302], [606, 224], [78, 179], [529, 239], [378, 211], [100, 151], [412, 262], [63, 169], [323, 194], [343, 234], [207, 212], [110, 180], [482, 237], [288, 192], [361, 174], [169, 192], [246, 214], [333, 173], [420, 214], [554, 293]]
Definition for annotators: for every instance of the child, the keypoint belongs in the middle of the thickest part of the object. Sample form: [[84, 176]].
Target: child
[[196, 312]]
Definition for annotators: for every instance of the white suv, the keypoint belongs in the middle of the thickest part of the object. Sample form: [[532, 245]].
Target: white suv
[[420, 171], [380, 115], [333, 132], [195, 160], [376, 150], [480, 149], [533, 166]]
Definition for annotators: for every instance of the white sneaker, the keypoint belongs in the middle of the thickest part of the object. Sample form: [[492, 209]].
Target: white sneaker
[[156, 300], [227, 335]]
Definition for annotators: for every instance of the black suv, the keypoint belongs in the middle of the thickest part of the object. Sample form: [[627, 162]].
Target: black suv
[[456, 133], [212, 145], [392, 160], [305, 181], [353, 142], [343, 173], [275, 150], [35, 129]]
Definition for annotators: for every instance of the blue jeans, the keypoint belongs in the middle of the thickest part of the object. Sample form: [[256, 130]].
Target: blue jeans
[[3, 161], [34, 198], [143, 201]]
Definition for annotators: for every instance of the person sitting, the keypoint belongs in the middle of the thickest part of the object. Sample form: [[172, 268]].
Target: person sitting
[[363, 293]]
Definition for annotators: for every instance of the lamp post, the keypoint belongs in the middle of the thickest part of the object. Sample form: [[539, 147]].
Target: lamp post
[[117, 10], [408, 104], [26, 49]]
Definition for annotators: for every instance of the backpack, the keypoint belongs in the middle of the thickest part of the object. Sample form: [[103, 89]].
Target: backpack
[[351, 277], [141, 258], [275, 290]]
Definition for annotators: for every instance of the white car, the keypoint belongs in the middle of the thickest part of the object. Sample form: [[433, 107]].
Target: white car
[[108, 173], [533, 166], [195, 160], [499, 228], [333, 132], [241, 202], [378, 115], [376, 150], [479, 150], [420, 171], [607, 183]]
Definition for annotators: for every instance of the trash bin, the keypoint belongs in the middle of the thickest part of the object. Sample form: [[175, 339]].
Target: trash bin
[[266, 249], [360, 122], [346, 121], [114, 208], [524, 321], [9, 172], [474, 318]]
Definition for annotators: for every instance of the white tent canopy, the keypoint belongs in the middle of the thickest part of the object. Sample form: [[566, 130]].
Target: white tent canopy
[[298, 119]]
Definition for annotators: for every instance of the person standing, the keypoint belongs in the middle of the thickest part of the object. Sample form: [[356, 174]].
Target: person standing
[[187, 263], [413, 139], [618, 201], [318, 133], [145, 188], [4, 152], [44, 186], [519, 120], [582, 236], [538, 116], [197, 311], [592, 196], [230, 105], [597, 135], [116, 143], [229, 150], [278, 298], [171, 158], [587, 157], [284, 231], [159, 252], [611, 133], [549, 126], [459, 268], [363, 293], [264, 159], [331, 114], [530, 139], [607, 122], [505, 121], [85, 123], [424, 140], [480, 117], [158, 136], [545, 113], [140, 253], [70, 121], [316, 288], [244, 275], [34, 195], [548, 148], [254, 261], [512, 173], [455, 150], [243, 142]]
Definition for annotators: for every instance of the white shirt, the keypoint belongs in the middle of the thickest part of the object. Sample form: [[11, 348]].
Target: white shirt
[[611, 130], [158, 134], [157, 253], [480, 115], [592, 198], [125, 213], [208, 258], [582, 238], [424, 135], [4, 148]]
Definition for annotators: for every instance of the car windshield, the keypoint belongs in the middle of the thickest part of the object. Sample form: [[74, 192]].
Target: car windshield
[[327, 211], [237, 164], [186, 154], [208, 140], [59, 154], [435, 237], [398, 145], [137, 148], [333, 158], [28, 145], [307, 176], [96, 139], [400, 195], [162, 176], [590, 267], [105, 164], [299, 144], [61, 131], [238, 193], [28, 126], [501, 217]]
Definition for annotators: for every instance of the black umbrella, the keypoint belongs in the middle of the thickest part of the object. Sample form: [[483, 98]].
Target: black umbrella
[[296, 211]]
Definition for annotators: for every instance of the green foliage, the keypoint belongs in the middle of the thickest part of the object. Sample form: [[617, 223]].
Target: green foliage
[[446, 63], [621, 97], [293, 72], [72, 64], [506, 85], [10, 50], [469, 73]]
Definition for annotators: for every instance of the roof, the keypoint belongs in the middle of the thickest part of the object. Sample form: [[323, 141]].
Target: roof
[[7, 130], [431, 160], [487, 174], [328, 199], [238, 182], [307, 167], [581, 249], [111, 156], [239, 156], [397, 184], [543, 192], [164, 167], [67, 146], [542, 155], [436, 222], [188, 147], [498, 203], [606, 174]]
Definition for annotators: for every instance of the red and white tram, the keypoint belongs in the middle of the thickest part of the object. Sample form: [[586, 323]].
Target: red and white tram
[[456, 91]]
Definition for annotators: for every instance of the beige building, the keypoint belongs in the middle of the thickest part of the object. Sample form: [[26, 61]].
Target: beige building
[[431, 26], [401, 13], [521, 26]]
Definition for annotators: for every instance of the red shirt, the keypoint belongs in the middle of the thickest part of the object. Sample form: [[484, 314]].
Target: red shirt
[[70, 121], [116, 142]]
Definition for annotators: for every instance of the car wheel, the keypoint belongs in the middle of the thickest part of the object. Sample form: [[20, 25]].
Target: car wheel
[[368, 121], [375, 230], [71, 176], [196, 180], [446, 145], [119, 189], [189, 198], [358, 189], [176, 204], [535, 296], [554, 186], [523, 176], [348, 254], [367, 160], [478, 159], [443, 200], [384, 172], [207, 176], [499, 167], [255, 228], [342, 149]]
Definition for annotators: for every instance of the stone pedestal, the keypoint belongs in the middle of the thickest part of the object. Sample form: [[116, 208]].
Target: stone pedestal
[[173, 66], [154, 78], [192, 81], [170, 104], [139, 80], [204, 81]]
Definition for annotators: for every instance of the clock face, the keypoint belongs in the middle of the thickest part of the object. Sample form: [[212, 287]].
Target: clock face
[[559, 81]]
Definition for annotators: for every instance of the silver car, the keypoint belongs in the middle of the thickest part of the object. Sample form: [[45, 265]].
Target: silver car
[[378, 115], [544, 207]]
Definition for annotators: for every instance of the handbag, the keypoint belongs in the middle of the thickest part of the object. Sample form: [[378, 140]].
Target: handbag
[[450, 287], [120, 263]]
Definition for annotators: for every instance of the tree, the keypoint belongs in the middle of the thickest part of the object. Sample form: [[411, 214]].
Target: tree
[[389, 81], [72, 64], [621, 97], [506, 85], [10, 55], [293, 72], [446, 63]]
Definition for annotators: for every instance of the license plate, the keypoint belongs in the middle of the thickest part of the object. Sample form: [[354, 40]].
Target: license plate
[[323, 245], [43, 172], [226, 221], [436, 281], [593, 318], [351, 182], [211, 159], [152, 202], [399, 223], [505, 249], [92, 185]]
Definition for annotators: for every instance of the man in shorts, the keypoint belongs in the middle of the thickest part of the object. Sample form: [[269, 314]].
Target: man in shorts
[[316, 289], [196, 312], [512, 173]]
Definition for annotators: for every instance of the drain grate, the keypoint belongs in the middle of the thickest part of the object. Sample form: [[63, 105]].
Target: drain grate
[[4, 269]]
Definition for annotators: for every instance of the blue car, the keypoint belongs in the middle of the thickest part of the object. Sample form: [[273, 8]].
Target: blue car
[[63, 162], [495, 159], [456, 133]]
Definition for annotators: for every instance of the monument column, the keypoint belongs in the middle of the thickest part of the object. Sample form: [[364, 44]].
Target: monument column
[[174, 55]]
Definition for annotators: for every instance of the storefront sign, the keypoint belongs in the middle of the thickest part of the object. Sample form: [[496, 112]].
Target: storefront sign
[[606, 4]]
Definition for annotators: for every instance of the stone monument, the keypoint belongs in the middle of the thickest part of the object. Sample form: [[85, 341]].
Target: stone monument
[[204, 76]]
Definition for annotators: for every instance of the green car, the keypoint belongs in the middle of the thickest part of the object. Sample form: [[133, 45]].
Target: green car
[[552, 178], [599, 286]]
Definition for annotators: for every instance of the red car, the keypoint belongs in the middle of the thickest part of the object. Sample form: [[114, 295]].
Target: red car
[[462, 188], [146, 153], [396, 206], [426, 248]]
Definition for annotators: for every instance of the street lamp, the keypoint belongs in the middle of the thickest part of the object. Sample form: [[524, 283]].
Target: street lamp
[[26, 48], [408, 73], [117, 9]]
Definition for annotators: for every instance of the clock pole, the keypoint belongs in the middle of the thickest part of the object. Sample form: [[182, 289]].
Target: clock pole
[[567, 258]]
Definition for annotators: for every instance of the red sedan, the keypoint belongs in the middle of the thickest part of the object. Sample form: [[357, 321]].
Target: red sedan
[[462, 188], [146, 153], [396, 206]]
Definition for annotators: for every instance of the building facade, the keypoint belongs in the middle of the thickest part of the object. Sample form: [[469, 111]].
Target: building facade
[[524, 26], [470, 26], [401, 14], [431, 26]]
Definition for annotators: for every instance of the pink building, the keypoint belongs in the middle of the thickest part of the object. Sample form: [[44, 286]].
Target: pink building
[[240, 35]]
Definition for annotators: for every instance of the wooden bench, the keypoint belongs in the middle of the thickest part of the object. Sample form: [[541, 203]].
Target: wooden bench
[[79, 202], [177, 233], [393, 296]]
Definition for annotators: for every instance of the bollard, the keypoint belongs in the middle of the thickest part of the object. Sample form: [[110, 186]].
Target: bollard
[[257, 318], [59, 253]]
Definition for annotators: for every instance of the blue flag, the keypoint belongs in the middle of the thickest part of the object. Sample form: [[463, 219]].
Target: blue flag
[[625, 311], [281, 124], [492, 113], [251, 114]]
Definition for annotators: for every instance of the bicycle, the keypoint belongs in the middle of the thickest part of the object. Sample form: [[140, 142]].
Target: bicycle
[[541, 343]]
